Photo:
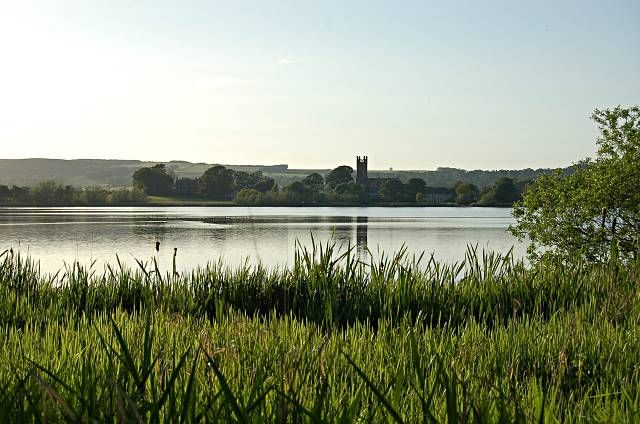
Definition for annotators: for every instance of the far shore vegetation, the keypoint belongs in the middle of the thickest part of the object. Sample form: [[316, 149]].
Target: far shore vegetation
[[221, 186]]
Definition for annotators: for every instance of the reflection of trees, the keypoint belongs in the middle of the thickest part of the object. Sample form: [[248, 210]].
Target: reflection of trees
[[342, 233]]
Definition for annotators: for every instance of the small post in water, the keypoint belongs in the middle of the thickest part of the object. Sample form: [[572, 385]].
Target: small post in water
[[175, 253]]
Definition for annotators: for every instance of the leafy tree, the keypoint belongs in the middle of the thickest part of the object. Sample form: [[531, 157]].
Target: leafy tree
[[264, 185], [466, 193], [187, 186], [274, 197], [392, 190], [595, 211], [341, 174], [217, 182], [246, 179], [20, 195], [502, 193], [44, 193], [51, 193], [153, 180], [314, 182], [94, 196], [505, 190], [4, 194], [349, 192], [126, 197], [249, 196], [296, 187], [344, 188], [521, 185], [415, 186], [296, 192]]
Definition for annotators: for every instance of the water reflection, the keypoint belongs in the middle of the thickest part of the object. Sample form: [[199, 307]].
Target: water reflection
[[362, 232], [56, 236]]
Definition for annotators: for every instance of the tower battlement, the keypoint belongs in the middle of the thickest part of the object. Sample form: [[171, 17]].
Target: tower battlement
[[361, 170]]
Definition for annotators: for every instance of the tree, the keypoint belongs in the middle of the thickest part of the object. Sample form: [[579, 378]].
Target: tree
[[20, 195], [246, 179], [296, 192], [4, 194], [217, 182], [249, 196], [153, 180], [264, 185], [415, 186], [51, 193], [341, 174], [253, 180], [126, 197], [187, 186], [314, 182], [595, 211], [349, 192], [392, 190], [44, 193], [94, 196], [466, 193], [503, 192]]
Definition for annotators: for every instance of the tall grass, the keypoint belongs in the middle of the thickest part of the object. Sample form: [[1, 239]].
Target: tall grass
[[331, 339]]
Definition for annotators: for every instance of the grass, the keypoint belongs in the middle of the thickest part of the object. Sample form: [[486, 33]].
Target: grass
[[185, 201], [331, 339]]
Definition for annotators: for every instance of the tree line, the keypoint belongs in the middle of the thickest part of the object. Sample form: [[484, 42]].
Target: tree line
[[50, 193], [117, 173], [338, 187], [254, 188]]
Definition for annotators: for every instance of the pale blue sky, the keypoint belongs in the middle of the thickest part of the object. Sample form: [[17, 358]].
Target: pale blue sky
[[413, 84]]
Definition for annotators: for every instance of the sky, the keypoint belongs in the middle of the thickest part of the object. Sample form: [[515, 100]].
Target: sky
[[411, 84]]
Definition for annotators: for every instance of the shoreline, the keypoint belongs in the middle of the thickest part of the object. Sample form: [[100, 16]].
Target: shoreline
[[236, 205]]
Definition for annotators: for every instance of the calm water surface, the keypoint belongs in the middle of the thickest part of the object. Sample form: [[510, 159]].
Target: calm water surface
[[59, 236]]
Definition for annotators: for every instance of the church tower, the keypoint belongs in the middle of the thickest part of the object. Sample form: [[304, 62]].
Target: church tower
[[361, 170]]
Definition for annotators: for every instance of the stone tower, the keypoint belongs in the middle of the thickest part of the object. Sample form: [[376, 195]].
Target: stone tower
[[361, 170]]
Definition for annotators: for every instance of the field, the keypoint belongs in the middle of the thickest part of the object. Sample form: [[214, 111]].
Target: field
[[404, 339]]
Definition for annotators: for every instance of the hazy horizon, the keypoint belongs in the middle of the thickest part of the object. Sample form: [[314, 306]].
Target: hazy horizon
[[413, 85], [292, 166]]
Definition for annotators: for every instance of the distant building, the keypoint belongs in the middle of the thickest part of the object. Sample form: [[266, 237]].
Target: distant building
[[361, 170], [372, 185], [432, 195]]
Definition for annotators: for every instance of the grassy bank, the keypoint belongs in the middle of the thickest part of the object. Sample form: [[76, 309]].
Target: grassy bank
[[328, 340], [185, 201]]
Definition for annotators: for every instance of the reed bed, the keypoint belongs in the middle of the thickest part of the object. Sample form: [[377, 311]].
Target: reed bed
[[332, 339]]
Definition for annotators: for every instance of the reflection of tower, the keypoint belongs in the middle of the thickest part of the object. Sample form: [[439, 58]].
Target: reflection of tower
[[361, 170], [362, 228]]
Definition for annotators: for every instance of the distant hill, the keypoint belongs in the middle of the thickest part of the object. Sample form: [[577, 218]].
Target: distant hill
[[117, 173], [100, 172]]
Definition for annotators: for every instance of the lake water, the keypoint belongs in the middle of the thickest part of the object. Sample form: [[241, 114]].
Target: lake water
[[59, 236]]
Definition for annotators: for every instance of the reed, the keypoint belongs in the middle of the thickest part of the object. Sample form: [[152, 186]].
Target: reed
[[332, 339]]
